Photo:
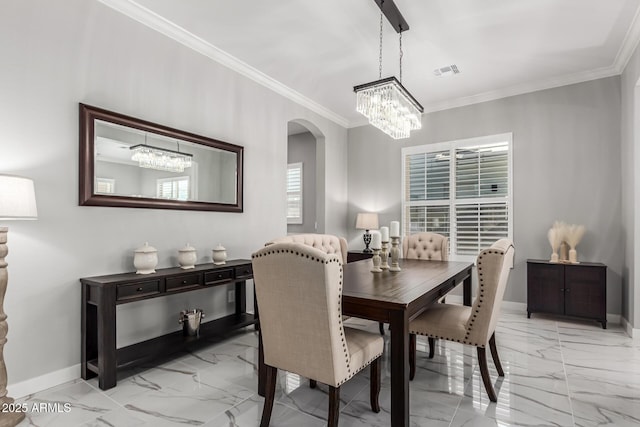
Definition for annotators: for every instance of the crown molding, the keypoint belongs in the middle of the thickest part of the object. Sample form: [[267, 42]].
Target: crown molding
[[629, 44], [524, 88], [156, 22]]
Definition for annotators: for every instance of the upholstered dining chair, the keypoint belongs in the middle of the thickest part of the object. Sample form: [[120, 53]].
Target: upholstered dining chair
[[299, 292], [427, 246], [474, 325], [325, 242]]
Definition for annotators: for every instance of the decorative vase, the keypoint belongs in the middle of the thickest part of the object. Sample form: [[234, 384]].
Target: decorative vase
[[219, 255], [376, 261], [145, 259], [187, 257]]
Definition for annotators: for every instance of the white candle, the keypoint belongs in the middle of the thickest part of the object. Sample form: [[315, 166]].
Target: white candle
[[384, 233], [395, 229], [375, 240]]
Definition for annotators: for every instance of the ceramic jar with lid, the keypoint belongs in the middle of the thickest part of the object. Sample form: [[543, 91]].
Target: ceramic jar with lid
[[219, 255], [187, 257], [145, 259]]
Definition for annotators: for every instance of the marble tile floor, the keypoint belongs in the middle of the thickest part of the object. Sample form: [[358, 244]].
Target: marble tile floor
[[558, 372]]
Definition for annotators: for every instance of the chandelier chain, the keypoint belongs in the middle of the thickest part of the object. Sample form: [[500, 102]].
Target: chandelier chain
[[401, 53], [380, 56]]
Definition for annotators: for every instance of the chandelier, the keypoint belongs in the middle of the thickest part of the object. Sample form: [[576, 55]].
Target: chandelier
[[151, 157], [385, 102]]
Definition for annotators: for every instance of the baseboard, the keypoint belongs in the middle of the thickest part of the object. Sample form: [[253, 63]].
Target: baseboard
[[629, 329], [43, 382]]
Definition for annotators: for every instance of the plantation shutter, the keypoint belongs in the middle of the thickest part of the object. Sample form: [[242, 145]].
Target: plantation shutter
[[482, 210], [294, 193]]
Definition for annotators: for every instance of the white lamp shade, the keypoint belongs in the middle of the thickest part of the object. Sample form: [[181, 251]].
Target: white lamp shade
[[17, 198], [367, 221]]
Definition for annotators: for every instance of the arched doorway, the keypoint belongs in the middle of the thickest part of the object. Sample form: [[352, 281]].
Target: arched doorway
[[305, 150]]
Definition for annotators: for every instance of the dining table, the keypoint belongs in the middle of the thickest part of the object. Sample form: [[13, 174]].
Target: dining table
[[395, 297]]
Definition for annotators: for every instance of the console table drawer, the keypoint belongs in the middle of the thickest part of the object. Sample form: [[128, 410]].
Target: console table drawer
[[137, 290], [183, 282], [219, 276], [245, 272]]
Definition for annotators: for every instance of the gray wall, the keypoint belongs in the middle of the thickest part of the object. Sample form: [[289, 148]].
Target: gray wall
[[630, 123], [60, 56], [302, 148], [566, 163]]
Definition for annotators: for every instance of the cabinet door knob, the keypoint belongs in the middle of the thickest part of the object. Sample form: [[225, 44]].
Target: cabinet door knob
[[567, 290], [139, 290], [184, 282]]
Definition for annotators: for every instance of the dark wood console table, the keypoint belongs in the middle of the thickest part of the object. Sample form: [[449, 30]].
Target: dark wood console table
[[101, 295]]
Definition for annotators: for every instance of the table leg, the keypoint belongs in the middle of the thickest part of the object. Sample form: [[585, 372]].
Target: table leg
[[107, 362], [466, 290], [399, 322]]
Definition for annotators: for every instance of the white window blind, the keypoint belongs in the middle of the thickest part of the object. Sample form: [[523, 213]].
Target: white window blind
[[294, 193], [105, 186], [173, 188], [460, 189]]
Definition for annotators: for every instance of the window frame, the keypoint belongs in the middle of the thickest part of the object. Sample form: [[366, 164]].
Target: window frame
[[452, 202]]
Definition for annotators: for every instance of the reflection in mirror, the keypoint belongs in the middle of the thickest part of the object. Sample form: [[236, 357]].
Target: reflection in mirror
[[140, 164]]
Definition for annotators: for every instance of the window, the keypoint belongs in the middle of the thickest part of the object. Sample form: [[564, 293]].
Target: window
[[294, 193], [173, 188], [105, 186], [460, 189]]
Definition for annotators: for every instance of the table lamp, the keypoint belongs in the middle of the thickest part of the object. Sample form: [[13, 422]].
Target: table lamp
[[367, 221], [17, 201]]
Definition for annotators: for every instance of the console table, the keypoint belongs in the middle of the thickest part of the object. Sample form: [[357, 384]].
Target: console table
[[101, 295]]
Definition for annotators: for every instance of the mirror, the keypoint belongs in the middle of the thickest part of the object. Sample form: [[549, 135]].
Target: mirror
[[130, 162]]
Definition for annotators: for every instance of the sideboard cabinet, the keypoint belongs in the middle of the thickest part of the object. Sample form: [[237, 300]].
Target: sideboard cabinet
[[101, 295], [578, 290]]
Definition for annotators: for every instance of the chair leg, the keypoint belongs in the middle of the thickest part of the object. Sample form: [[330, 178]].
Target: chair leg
[[412, 356], [313, 383], [484, 371], [270, 394], [432, 347], [374, 386], [381, 325], [334, 406], [494, 354]]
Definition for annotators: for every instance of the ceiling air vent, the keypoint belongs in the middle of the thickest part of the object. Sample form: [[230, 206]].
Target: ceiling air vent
[[449, 70]]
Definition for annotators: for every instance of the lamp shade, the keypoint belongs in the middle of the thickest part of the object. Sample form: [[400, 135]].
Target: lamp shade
[[17, 198], [367, 221]]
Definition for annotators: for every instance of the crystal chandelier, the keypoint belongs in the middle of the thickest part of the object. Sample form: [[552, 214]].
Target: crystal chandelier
[[161, 159], [385, 102]]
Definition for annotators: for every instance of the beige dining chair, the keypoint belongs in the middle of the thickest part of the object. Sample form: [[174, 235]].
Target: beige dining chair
[[427, 246], [474, 325], [327, 243], [299, 292]]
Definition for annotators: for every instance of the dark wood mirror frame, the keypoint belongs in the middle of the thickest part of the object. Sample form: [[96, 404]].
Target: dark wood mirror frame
[[88, 197]]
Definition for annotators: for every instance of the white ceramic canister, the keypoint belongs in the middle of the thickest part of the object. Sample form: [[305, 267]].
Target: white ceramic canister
[[187, 257], [219, 255], [145, 259]]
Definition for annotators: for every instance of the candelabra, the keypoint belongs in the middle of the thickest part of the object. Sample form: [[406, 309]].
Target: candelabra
[[384, 256], [376, 261], [395, 254]]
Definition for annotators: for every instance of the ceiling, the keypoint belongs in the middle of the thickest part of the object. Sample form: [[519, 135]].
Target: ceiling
[[314, 52]]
